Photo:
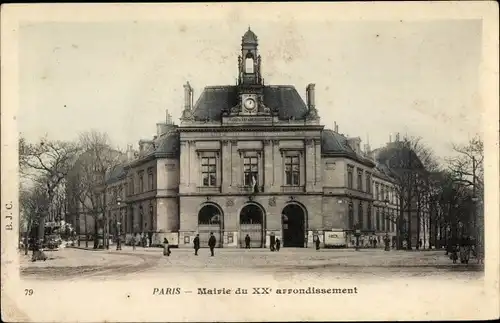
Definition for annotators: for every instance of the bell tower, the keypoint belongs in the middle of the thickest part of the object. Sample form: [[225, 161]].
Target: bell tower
[[249, 61], [250, 82]]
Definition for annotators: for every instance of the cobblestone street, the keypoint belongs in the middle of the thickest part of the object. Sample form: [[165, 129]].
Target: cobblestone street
[[148, 262]]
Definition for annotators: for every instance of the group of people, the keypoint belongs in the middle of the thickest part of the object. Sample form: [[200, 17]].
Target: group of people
[[274, 243], [212, 241], [462, 250], [144, 240]]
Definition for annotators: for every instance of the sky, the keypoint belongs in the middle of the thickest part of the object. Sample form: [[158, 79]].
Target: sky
[[373, 78]]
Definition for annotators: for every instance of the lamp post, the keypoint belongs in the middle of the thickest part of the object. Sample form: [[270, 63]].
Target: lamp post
[[386, 205], [357, 234], [118, 225], [347, 201], [477, 224], [386, 217]]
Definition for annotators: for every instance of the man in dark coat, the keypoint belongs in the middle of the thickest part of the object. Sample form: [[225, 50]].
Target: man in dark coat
[[247, 242], [211, 243], [272, 241], [278, 244], [317, 242], [196, 243]]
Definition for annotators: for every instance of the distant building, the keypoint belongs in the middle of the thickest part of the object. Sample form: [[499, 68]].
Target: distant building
[[253, 159]]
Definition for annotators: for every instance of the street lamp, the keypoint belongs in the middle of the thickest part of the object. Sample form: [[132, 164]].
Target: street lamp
[[386, 222], [348, 201], [118, 224], [357, 234]]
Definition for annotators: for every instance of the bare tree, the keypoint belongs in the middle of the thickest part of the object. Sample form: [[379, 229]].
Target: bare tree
[[467, 166], [32, 202], [46, 163], [403, 162], [97, 159]]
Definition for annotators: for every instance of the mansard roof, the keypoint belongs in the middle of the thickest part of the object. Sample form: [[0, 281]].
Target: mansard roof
[[281, 98], [116, 174], [166, 145], [334, 144], [393, 159]]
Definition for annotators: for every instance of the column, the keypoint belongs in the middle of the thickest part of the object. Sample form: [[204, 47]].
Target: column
[[268, 166], [184, 166], [310, 161], [193, 166], [317, 152], [277, 169], [226, 166], [235, 164]]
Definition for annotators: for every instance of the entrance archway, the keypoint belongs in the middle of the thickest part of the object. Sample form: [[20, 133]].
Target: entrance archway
[[293, 220], [210, 221], [251, 223]]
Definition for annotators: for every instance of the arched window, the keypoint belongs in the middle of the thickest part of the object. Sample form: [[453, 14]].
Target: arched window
[[209, 214], [249, 64], [251, 214]]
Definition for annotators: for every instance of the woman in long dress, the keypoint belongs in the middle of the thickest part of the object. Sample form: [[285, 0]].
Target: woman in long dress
[[465, 250], [166, 247]]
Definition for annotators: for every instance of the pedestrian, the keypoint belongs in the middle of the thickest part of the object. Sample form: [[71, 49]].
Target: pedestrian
[[278, 244], [419, 243], [132, 241], [166, 247], [38, 253], [465, 250], [196, 244], [454, 255], [211, 243], [150, 238], [374, 243], [247, 242], [272, 241], [317, 242], [387, 240]]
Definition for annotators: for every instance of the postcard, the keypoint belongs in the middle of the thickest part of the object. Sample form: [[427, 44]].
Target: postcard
[[250, 162]]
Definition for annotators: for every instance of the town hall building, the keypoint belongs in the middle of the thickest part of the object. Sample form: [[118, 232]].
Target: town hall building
[[250, 159]]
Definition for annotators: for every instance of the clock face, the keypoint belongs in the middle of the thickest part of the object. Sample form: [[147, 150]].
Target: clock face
[[250, 104]]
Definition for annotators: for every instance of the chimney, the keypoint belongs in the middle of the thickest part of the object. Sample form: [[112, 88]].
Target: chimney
[[310, 97], [192, 97], [355, 144], [336, 127], [397, 137], [130, 152], [390, 137], [161, 128], [188, 100], [145, 145]]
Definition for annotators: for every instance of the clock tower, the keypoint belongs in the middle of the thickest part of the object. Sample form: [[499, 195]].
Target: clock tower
[[250, 82]]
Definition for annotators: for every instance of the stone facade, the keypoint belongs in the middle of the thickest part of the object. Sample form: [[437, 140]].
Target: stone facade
[[250, 159]]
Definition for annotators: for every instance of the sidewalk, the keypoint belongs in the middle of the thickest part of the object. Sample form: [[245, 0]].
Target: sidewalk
[[72, 257]]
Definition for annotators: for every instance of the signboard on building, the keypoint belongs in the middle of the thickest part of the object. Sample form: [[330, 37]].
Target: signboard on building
[[335, 239]]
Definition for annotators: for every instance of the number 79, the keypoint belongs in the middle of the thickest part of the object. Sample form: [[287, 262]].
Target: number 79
[[28, 292]]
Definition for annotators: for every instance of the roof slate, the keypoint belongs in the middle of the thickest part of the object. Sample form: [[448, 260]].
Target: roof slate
[[215, 99]]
